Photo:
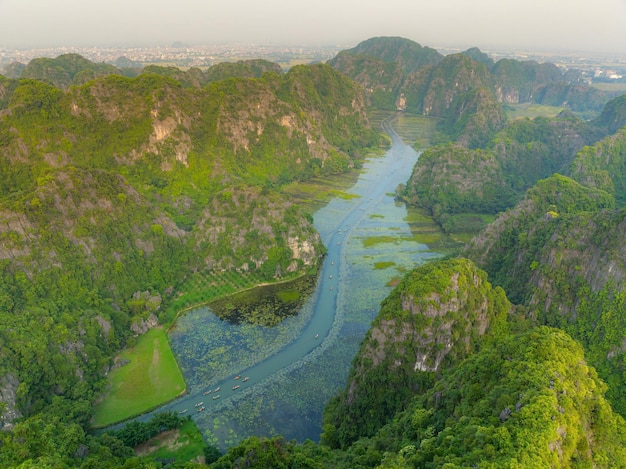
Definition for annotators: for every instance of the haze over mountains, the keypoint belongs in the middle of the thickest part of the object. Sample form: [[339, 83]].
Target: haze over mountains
[[511, 356], [532, 25]]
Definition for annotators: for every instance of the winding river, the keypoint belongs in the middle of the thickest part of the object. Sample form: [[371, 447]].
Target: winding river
[[285, 375]]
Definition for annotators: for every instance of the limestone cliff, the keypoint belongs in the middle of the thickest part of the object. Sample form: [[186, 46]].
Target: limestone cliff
[[438, 314]]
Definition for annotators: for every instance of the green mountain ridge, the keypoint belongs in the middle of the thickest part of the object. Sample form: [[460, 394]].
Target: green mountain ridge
[[116, 190], [126, 185]]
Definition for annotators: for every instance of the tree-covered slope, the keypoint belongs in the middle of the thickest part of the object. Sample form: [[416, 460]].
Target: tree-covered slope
[[527, 400], [560, 252], [449, 180], [252, 68], [66, 70], [122, 186], [436, 316], [381, 64], [603, 166]]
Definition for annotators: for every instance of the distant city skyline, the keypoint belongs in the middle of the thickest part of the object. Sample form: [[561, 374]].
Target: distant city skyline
[[542, 25]]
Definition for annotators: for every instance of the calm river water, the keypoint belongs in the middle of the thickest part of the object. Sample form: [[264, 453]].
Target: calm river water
[[293, 369]]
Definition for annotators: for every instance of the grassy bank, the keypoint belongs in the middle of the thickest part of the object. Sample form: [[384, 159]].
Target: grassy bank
[[149, 378]]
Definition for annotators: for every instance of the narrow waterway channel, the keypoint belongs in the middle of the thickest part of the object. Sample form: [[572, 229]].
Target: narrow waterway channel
[[284, 375]]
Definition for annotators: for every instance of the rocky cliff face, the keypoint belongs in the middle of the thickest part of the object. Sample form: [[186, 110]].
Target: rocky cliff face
[[438, 314]]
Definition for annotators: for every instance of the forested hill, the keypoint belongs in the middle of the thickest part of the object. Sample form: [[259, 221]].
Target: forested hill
[[466, 90], [72, 69], [122, 186], [450, 375]]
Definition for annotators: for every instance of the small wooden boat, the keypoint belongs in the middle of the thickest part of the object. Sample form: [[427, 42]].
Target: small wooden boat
[[245, 379], [317, 336], [216, 397], [216, 389], [237, 377], [235, 387], [183, 411]]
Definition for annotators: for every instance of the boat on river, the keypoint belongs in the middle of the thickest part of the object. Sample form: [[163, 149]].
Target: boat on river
[[183, 411], [199, 404], [235, 387], [237, 377], [217, 389], [207, 392], [201, 409], [245, 379], [216, 397]]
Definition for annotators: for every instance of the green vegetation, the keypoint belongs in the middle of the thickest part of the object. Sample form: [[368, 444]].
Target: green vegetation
[[531, 110], [126, 200], [183, 444], [416, 130], [120, 194], [146, 375], [416, 329]]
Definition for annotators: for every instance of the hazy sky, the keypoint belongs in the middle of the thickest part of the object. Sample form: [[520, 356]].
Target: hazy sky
[[577, 25]]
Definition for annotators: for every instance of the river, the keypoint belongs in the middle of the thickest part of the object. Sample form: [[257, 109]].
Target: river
[[286, 374]]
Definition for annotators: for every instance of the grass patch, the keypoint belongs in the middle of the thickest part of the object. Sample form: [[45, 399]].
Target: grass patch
[[383, 265], [376, 117], [150, 378], [344, 195], [376, 215], [288, 296], [371, 241], [184, 444], [531, 110], [462, 224], [314, 193], [426, 231], [416, 130]]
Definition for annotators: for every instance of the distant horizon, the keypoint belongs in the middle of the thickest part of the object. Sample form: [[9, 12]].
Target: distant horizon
[[451, 48], [568, 26]]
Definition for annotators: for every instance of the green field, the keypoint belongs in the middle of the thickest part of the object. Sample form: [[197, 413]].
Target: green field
[[531, 110], [416, 130], [150, 378]]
